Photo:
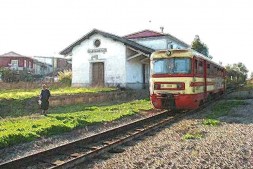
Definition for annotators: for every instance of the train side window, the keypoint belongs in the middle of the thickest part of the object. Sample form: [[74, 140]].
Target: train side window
[[208, 69], [196, 67], [221, 71], [200, 67], [212, 69]]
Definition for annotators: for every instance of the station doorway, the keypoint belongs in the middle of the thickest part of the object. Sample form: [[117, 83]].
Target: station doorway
[[98, 74]]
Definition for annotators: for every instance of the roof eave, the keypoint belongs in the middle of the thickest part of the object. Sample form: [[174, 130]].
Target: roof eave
[[125, 41]]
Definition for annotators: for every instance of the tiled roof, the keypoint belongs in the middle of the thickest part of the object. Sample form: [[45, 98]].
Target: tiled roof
[[149, 33], [123, 40], [11, 54], [15, 55], [143, 34]]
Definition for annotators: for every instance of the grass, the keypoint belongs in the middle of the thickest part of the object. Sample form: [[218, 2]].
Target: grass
[[221, 109], [18, 102], [246, 87], [188, 136], [21, 94], [211, 122], [63, 119]]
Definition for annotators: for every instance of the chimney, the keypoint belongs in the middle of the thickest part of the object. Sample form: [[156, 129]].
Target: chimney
[[162, 28]]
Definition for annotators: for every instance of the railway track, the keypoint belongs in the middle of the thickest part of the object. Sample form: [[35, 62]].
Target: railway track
[[77, 152], [69, 155]]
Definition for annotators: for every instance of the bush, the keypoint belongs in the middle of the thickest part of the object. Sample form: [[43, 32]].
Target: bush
[[65, 77], [8, 75], [25, 76]]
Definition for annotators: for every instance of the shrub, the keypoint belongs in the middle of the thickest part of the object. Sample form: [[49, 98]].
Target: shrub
[[65, 77], [8, 75], [25, 76]]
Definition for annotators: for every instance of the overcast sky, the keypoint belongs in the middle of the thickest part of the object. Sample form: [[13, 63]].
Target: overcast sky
[[45, 27]]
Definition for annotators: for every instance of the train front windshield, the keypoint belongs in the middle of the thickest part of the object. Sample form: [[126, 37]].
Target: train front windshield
[[172, 66]]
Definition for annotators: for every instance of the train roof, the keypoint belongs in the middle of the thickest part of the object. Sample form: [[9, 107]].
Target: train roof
[[180, 53]]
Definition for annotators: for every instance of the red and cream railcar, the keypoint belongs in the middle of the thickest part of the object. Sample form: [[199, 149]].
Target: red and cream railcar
[[184, 79]]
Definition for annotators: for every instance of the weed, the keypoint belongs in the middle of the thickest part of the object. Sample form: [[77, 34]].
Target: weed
[[188, 136], [223, 108], [211, 122]]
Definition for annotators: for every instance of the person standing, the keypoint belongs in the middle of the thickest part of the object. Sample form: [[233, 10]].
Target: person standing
[[44, 97]]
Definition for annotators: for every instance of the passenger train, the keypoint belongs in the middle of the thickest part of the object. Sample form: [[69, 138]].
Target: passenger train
[[184, 79]]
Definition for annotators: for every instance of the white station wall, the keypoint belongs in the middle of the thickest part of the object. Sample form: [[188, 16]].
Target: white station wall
[[134, 74], [114, 61]]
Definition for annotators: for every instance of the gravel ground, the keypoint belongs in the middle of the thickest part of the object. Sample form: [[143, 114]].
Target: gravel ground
[[226, 146]]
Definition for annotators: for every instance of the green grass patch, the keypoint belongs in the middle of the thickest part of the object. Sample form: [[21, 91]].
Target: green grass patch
[[18, 102], [221, 109], [211, 122], [21, 94], [63, 119], [247, 87], [188, 136]]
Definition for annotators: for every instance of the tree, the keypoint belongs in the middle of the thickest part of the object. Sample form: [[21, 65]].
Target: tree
[[237, 73], [200, 46], [251, 75]]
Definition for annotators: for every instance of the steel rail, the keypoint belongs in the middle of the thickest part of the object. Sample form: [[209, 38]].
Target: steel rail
[[18, 163]]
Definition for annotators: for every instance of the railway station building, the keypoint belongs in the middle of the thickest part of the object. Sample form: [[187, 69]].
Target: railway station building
[[104, 59]]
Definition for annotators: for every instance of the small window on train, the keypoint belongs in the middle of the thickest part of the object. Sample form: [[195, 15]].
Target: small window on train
[[200, 67], [196, 66], [208, 69]]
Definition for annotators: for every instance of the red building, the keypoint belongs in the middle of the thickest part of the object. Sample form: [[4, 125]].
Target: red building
[[16, 61]]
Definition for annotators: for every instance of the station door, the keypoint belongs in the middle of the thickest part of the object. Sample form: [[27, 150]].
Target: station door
[[98, 74]]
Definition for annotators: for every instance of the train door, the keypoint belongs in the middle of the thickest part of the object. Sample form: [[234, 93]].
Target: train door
[[98, 74], [205, 79]]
